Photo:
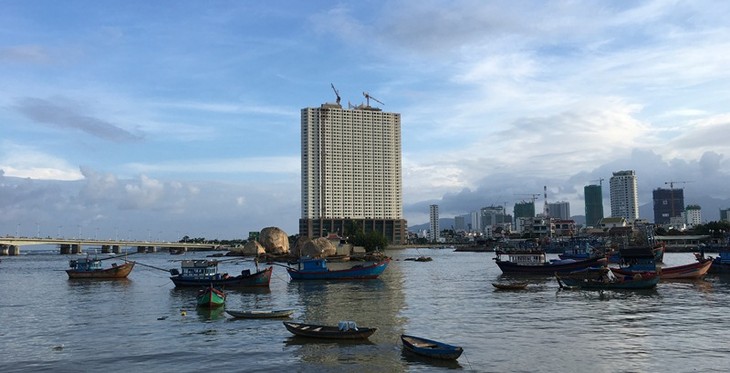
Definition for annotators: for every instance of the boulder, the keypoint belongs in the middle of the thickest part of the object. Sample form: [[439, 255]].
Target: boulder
[[252, 248], [299, 245], [274, 241], [318, 248]]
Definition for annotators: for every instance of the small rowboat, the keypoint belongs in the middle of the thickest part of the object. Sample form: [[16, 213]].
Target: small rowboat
[[259, 314], [431, 348], [346, 330], [510, 286], [211, 297]]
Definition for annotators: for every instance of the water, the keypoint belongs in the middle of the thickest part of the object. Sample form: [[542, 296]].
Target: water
[[50, 323]]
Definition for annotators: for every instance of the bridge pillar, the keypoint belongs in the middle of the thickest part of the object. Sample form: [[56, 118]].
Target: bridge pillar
[[4, 250], [76, 248], [106, 249], [65, 249], [116, 249], [141, 249], [13, 250], [151, 249]]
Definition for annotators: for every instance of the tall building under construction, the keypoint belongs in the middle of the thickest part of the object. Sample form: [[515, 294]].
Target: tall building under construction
[[351, 170]]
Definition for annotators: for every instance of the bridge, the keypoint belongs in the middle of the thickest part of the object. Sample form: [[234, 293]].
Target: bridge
[[10, 245]]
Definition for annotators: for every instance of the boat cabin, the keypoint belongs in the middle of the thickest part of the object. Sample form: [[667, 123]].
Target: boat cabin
[[524, 257], [199, 269], [310, 264], [638, 259], [85, 264]]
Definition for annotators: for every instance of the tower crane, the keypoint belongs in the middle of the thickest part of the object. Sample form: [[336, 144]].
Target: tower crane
[[533, 195], [671, 192], [671, 183], [368, 98], [337, 93], [600, 181]]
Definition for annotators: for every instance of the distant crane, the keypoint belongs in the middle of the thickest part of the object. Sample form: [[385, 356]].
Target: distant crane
[[337, 93], [671, 193], [368, 98], [533, 195], [671, 183], [600, 181]]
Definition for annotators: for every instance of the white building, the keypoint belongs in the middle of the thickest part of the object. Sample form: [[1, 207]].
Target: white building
[[559, 210], [433, 227], [624, 195], [693, 214], [351, 171]]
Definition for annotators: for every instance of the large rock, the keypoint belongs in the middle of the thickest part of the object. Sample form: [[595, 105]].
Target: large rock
[[253, 248], [274, 240], [319, 248], [299, 245]]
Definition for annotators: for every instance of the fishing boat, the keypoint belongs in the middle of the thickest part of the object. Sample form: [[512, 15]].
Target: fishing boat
[[510, 285], [345, 330], [211, 297], [721, 263], [196, 273], [261, 314], [91, 268], [692, 271], [604, 279], [316, 269], [533, 262], [657, 250], [430, 348]]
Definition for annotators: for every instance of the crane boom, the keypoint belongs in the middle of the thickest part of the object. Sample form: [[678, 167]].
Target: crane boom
[[368, 98], [671, 183], [337, 93]]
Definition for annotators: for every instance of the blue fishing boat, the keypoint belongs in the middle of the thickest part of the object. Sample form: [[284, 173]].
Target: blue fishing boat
[[430, 348], [316, 269], [534, 262]]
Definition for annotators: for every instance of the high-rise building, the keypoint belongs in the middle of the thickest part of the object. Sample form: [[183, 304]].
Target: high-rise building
[[724, 214], [559, 210], [668, 204], [460, 222], [523, 210], [433, 227], [624, 195], [351, 171], [594, 204], [693, 214]]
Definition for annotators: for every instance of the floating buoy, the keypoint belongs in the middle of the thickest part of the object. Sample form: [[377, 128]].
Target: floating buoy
[[183, 313], [58, 348]]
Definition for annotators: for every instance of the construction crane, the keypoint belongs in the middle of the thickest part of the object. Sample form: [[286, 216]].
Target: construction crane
[[368, 98], [671, 183], [533, 195], [600, 181], [337, 93]]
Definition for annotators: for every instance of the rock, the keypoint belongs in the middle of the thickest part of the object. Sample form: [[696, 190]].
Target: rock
[[319, 248], [274, 241], [250, 248], [299, 245]]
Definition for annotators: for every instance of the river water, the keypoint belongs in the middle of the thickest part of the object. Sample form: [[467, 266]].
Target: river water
[[143, 324]]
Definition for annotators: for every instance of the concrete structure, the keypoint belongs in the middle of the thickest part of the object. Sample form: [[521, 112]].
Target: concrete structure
[[559, 210], [493, 217], [624, 195], [668, 204], [433, 227], [460, 223], [593, 195], [351, 171], [523, 210], [724, 214]]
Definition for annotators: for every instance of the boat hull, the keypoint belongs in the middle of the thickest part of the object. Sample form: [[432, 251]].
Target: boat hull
[[430, 348], [690, 271], [274, 314], [258, 279], [548, 269], [646, 281], [211, 297], [354, 273], [116, 271], [327, 332]]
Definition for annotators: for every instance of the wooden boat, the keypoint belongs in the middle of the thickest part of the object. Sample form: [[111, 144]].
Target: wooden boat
[[92, 268], [259, 314], [599, 279], [721, 264], [657, 250], [346, 330], [533, 262], [211, 297], [509, 285], [196, 273], [316, 269], [690, 271], [430, 348]]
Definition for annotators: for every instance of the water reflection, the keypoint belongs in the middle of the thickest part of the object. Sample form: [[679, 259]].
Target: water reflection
[[415, 360]]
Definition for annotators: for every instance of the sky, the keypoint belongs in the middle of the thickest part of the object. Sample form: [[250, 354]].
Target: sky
[[154, 120]]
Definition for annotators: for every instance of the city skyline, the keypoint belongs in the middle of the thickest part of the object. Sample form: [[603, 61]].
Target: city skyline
[[164, 120]]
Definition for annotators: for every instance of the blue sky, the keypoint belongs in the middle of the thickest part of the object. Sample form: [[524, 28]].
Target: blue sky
[[160, 119]]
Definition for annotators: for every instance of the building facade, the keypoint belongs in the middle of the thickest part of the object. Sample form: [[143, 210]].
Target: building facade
[[523, 210], [724, 214], [351, 171], [593, 204], [624, 195], [559, 210], [433, 226], [668, 205], [693, 215]]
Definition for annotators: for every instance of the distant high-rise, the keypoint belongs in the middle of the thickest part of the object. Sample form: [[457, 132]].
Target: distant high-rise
[[351, 171], [433, 227], [624, 195], [668, 204], [559, 210], [593, 204], [724, 214], [523, 210], [693, 215]]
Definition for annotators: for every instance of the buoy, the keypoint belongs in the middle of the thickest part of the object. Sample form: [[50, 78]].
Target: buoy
[[183, 313]]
